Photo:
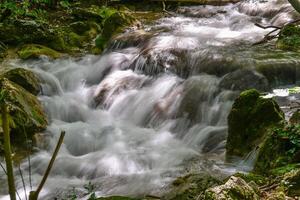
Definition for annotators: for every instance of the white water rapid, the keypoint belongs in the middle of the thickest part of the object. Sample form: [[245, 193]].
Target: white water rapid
[[138, 115]]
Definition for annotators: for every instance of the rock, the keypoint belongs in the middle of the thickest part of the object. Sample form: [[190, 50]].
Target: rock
[[235, 188], [80, 27], [280, 148], [25, 110], [295, 118], [114, 24], [191, 187], [289, 38], [249, 119], [291, 181], [90, 13], [244, 79], [24, 31], [35, 51], [24, 78]]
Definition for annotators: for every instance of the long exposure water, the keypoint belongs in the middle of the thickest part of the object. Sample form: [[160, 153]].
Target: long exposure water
[[136, 116]]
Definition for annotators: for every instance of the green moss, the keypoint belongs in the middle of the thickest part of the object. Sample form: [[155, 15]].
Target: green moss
[[25, 78], [25, 109], [289, 38], [191, 187], [249, 119], [285, 169], [248, 177], [280, 148], [35, 51]]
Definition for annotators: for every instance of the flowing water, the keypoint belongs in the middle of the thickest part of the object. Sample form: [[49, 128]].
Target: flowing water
[[154, 104]]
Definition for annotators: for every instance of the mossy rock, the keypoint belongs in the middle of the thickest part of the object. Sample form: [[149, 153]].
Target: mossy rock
[[191, 187], [114, 24], [295, 118], [291, 182], [24, 31], [25, 110], [35, 51], [25, 78], [248, 121], [289, 38], [234, 189], [279, 150]]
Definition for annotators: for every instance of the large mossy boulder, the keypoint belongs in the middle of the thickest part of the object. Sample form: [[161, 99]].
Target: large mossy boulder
[[280, 151], [30, 51], [25, 109], [191, 187], [18, 31], [234, 189], [289, 38], [248, 121], [24, 78]]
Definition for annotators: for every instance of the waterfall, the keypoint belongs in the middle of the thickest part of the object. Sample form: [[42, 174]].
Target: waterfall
[[135, 116]]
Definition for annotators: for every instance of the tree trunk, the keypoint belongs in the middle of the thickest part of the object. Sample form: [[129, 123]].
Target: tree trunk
[[295, 4], [7, 150]]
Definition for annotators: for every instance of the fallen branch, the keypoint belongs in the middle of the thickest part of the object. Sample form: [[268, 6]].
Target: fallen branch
[[34, 194], [269, 36]]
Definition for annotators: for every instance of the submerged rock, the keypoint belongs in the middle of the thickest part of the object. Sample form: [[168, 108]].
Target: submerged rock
[[245, 79], [35, 51], [235, 188], [25, 110], [191, 187], [248, 121]]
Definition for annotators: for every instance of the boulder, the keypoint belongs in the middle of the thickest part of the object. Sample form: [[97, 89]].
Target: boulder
[[248, 121], [24, 31], [191, 187], [25, 110], [35, 51], [235, 188], [244, 79], [279, 149], [24, 78]]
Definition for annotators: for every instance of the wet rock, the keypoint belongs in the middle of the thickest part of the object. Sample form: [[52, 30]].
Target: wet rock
[[244, 79], [114, 24], [234, 188], [289, 38], [191, 187], [24, 78], [133, 38], [279, 149], [196, 91], [248, 121], [25, 110], [80, 27], [35, 51]]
